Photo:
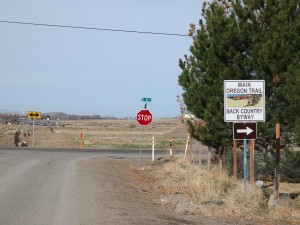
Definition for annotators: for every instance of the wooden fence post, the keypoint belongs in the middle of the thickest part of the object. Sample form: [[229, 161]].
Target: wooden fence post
[[191, 149], [186, 146], [277, 169], [200, 152], [221, 149]]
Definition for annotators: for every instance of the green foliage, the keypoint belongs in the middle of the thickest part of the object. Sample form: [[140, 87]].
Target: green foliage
[[267, 171], [244, 40], [290, 170], [297, 131], [228, 162]]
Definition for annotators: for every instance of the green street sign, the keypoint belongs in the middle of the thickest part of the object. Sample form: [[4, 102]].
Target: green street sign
[[146, 99]]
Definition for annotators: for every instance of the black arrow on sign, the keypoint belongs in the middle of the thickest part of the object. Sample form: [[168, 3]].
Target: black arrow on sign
[[34, 114]]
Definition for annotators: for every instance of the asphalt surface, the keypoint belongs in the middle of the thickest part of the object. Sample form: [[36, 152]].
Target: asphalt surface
[[34, 186], [77, 187], [72, 187]]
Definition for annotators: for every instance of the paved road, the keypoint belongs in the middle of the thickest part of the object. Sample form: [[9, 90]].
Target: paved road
[[78, 187], [34, 186], [56, 187]]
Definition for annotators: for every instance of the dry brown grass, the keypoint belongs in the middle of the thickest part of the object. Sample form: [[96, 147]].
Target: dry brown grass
[[212, 193], [114, 133], [192, 189], [286, 209]]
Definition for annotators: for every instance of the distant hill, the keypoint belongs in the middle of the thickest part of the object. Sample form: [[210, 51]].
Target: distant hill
[[56, 115], [64, 116]]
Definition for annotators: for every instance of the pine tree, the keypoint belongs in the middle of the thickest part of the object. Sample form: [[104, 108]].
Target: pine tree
[[244, 40], [275, 57], [219, 52]]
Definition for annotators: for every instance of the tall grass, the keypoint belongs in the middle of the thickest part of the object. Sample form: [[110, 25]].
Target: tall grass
[[212, 193]]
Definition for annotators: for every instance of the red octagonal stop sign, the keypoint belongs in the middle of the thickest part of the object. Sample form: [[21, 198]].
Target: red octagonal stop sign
[[144, 117]]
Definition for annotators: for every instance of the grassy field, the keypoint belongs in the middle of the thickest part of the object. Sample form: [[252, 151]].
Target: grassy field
[[114, 133]]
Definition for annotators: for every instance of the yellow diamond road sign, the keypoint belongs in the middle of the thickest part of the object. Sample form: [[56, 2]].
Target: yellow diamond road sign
[[34, 115]]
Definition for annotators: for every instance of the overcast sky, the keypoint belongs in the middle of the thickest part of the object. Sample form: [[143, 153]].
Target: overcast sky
[[90, 72]]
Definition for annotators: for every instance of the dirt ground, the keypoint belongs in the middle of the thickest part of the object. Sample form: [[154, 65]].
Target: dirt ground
[[136, 202], [116, 201]]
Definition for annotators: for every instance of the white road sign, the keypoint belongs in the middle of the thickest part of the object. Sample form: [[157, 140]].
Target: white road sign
[[244, 100]]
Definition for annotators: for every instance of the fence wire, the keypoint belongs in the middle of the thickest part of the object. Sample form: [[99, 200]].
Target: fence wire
[[264, 167]]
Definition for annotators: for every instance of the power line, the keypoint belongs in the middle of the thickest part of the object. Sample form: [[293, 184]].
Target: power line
[[92, 28]]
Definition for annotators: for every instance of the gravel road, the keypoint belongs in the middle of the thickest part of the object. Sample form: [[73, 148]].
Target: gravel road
[[76, 188]]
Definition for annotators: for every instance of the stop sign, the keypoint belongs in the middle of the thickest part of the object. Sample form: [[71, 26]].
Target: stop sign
[[144, 117]]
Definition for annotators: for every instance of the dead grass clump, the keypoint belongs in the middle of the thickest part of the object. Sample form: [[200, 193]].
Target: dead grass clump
[[212, 193], [192, 189], [296, 203], [200, 185], [203, 187], [285, 209], [176, 166], [249, 204]]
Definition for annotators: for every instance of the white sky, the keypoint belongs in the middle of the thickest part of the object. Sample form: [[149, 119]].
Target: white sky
[[91, 72]]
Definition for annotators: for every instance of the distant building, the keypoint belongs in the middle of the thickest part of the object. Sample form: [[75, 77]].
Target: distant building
[[189, 116]]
